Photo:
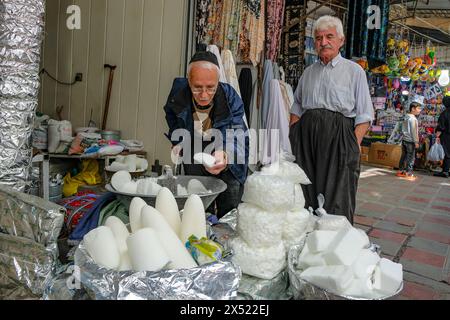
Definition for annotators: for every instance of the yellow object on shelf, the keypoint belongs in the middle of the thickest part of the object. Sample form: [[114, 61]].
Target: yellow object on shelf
[[89, 175]]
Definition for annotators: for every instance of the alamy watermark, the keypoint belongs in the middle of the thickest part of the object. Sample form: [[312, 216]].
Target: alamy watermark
[[74, 20]]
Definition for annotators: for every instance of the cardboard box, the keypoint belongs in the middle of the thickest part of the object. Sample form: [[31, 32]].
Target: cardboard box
[[365, 150], [364, 157], [385, 154]]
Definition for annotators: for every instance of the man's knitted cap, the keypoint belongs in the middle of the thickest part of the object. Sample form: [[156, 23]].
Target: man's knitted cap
[[204, 56]]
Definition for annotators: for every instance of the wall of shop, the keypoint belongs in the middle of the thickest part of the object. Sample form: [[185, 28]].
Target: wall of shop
[[144, 38]]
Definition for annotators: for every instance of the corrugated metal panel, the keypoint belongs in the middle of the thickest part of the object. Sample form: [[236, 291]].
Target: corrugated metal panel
[[144, 38]]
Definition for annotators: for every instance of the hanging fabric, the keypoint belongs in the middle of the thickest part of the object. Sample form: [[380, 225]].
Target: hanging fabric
[[230, 70], [202, 16], [275, 17], [265, 102], [277, 120], [246, 88], [214, 49], [363, 41]]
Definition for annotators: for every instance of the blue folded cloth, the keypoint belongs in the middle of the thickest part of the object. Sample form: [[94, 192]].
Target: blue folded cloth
[[90, 219]]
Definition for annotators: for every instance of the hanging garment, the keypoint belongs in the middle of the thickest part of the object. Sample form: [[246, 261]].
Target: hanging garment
[[325, 147], [288, 97], [254, 147], [230, 70], [277, 120], [214, 49], [257, 36], [265, 102], [246, 88]]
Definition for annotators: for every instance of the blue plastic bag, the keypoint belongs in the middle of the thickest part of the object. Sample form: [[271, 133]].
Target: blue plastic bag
[[436, 153]]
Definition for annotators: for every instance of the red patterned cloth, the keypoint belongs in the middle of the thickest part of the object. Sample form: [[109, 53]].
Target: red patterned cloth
[[274, 19], [76, 207]]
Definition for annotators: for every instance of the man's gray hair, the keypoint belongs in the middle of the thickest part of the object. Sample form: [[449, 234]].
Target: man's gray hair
[[327, 22], [204, 65]]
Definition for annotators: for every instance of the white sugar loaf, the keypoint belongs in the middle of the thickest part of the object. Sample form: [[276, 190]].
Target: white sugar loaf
[[259, 228], [333, 278], [136, 206], [264, 263], [179, 256], [269, 192], [365, 264], [194, 219], [295, 224], [332, 222], [320, 240], [148, 187], [168, 207], [345, 248], [102, 247], [125, 262], [288, 170], [146, 251], [388, 276], [119, 179], [307, 259], [129, 187], [204, 158], [118, 166], [181, 191], [120, 232], [196, 187], [141, 164]]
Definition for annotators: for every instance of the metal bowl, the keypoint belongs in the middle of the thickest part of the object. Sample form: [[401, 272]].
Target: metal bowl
[[216, 186]]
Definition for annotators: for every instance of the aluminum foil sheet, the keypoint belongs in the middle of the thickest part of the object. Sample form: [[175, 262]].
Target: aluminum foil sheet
[[21, 34], [215, 281], [303, 290], [29, 229]]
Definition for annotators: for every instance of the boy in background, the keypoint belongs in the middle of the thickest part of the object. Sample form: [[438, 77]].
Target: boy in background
[[410, 143]]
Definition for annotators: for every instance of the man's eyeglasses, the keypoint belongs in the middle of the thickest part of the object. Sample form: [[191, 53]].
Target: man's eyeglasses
[[200, 90]]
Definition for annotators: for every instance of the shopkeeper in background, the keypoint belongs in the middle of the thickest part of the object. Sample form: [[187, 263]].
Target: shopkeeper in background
[[198, 104], [443, 136], [330, 116]]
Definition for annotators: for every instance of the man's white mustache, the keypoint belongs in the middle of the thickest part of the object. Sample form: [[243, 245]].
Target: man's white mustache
[[326, 47]]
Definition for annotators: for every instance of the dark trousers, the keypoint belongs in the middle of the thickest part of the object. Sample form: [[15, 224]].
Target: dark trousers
[[408, 156], [325, 146], [445, 141], [227, 200]]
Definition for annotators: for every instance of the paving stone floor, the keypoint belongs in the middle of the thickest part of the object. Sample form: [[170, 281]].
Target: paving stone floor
[[410, 220]]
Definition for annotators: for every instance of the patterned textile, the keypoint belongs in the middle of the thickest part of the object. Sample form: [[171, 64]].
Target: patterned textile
[[275, 16], [293, 42], [254, 6], [201, 28], [362, 41]]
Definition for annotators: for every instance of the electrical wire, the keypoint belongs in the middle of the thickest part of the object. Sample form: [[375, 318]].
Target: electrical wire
[[56, 80]]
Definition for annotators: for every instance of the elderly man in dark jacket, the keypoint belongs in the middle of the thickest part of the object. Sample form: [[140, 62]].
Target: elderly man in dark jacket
[[205, 115]]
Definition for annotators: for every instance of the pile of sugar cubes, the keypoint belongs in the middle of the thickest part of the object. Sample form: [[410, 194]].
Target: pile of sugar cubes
[[336, 257], [271, 219]]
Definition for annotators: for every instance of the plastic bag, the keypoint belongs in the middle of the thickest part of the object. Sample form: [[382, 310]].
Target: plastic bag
[[436, 153], [89, 175], [204, 250], [286, 168], [328, 221]]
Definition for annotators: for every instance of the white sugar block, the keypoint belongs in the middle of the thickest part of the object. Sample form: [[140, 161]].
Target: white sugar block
[[125, 262], [204, 158], [365, 237], [194, 219], [295, 224], [120, 232], [333, 278], [178, 254], [332, 223], [345, 247], [168, 207], [146, 251], [388, 276], [360, 288], [365, 263], [308, 259], [320, 240], [271, 193], [141, 164], [259, 228], [117, 166], [264, 263], [136, 206], [102, 247]]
